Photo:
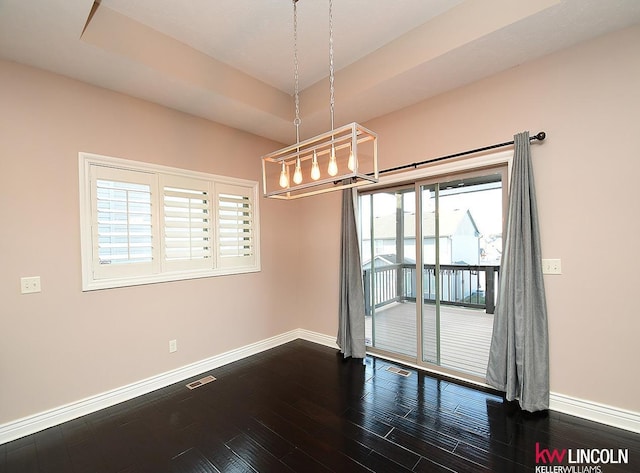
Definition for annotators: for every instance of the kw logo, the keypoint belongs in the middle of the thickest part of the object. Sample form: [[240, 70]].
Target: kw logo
[[549, 456]]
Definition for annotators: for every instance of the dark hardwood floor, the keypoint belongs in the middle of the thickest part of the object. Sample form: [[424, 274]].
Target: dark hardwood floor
[[301, 407]]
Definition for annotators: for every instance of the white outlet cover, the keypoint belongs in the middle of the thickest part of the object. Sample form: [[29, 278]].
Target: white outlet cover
[[30, 285], [551, 266]]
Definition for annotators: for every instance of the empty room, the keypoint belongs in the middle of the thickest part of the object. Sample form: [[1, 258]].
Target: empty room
[[319, 235]]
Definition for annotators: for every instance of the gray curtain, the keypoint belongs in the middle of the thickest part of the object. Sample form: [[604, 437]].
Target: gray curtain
[[351, 310], [519, 356]]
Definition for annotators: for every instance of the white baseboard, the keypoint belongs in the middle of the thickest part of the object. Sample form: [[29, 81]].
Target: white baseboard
[[613, 416], [28, 425], [37, 422], [319, 338]]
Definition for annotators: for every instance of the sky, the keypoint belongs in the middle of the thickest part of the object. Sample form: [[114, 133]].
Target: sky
[[485, 205]]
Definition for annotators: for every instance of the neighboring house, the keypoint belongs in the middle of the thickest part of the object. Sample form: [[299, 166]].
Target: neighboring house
[[458, 234], [459, 241]]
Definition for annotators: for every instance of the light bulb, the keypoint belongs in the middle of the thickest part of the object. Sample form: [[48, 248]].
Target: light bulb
[[284, 179], [333, 165], [315, 169], [351, 164], [297, 174]]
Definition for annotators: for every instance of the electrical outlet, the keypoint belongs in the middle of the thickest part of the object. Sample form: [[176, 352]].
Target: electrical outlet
[[30, 285], [173, 346], [551, 266]]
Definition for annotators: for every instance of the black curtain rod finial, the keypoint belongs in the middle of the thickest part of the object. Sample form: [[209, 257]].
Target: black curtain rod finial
[[540, 136]]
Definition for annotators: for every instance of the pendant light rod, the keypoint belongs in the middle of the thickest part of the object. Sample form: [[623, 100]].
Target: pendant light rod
[[540, 137], [296, 120], [331, 67]]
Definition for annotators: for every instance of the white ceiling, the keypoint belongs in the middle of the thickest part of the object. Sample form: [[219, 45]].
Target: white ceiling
[[232, 61]]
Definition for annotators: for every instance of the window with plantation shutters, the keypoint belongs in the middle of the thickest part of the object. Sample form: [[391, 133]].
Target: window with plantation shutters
[[144, 223]]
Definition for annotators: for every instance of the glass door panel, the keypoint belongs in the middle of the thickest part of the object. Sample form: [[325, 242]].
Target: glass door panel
[[461, 250], [388, 249]]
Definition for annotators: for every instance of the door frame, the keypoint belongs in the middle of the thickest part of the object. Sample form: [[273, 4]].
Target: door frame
[[418, 177], [436, 180]]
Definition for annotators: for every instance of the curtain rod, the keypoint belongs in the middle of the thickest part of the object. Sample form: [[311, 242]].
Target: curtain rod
[[540, 137]]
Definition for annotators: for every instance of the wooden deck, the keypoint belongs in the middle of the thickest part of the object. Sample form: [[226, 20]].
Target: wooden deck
[[465, 335]]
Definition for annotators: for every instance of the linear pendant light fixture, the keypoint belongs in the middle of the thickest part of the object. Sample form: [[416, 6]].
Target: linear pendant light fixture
[[341, 158]]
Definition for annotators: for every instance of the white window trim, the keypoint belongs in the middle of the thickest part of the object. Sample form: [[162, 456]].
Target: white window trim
[[162, 274]]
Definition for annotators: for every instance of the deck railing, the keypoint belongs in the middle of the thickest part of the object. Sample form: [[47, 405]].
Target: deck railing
[[460, 285]]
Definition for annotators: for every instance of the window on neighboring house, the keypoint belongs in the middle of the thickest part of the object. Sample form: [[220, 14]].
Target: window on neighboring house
[[144, 223]]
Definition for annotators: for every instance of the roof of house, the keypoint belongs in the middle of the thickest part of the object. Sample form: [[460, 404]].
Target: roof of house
[[450, 222], [387, 260]]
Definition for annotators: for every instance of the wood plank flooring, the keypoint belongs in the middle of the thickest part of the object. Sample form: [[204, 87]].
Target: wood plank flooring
[[301, 408]]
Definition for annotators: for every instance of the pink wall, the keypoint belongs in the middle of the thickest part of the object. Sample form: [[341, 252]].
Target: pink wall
[[63, 345], [587, 99]]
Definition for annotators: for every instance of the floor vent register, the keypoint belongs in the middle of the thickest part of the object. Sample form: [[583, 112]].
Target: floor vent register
[[400, 371], [200, 382]]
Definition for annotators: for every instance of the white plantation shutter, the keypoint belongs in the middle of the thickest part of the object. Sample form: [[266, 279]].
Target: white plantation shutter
[[236, 226], [143, 223], [123, 227], [187, 223]]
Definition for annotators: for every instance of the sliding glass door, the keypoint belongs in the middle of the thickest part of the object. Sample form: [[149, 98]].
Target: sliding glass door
[[431, 258]]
